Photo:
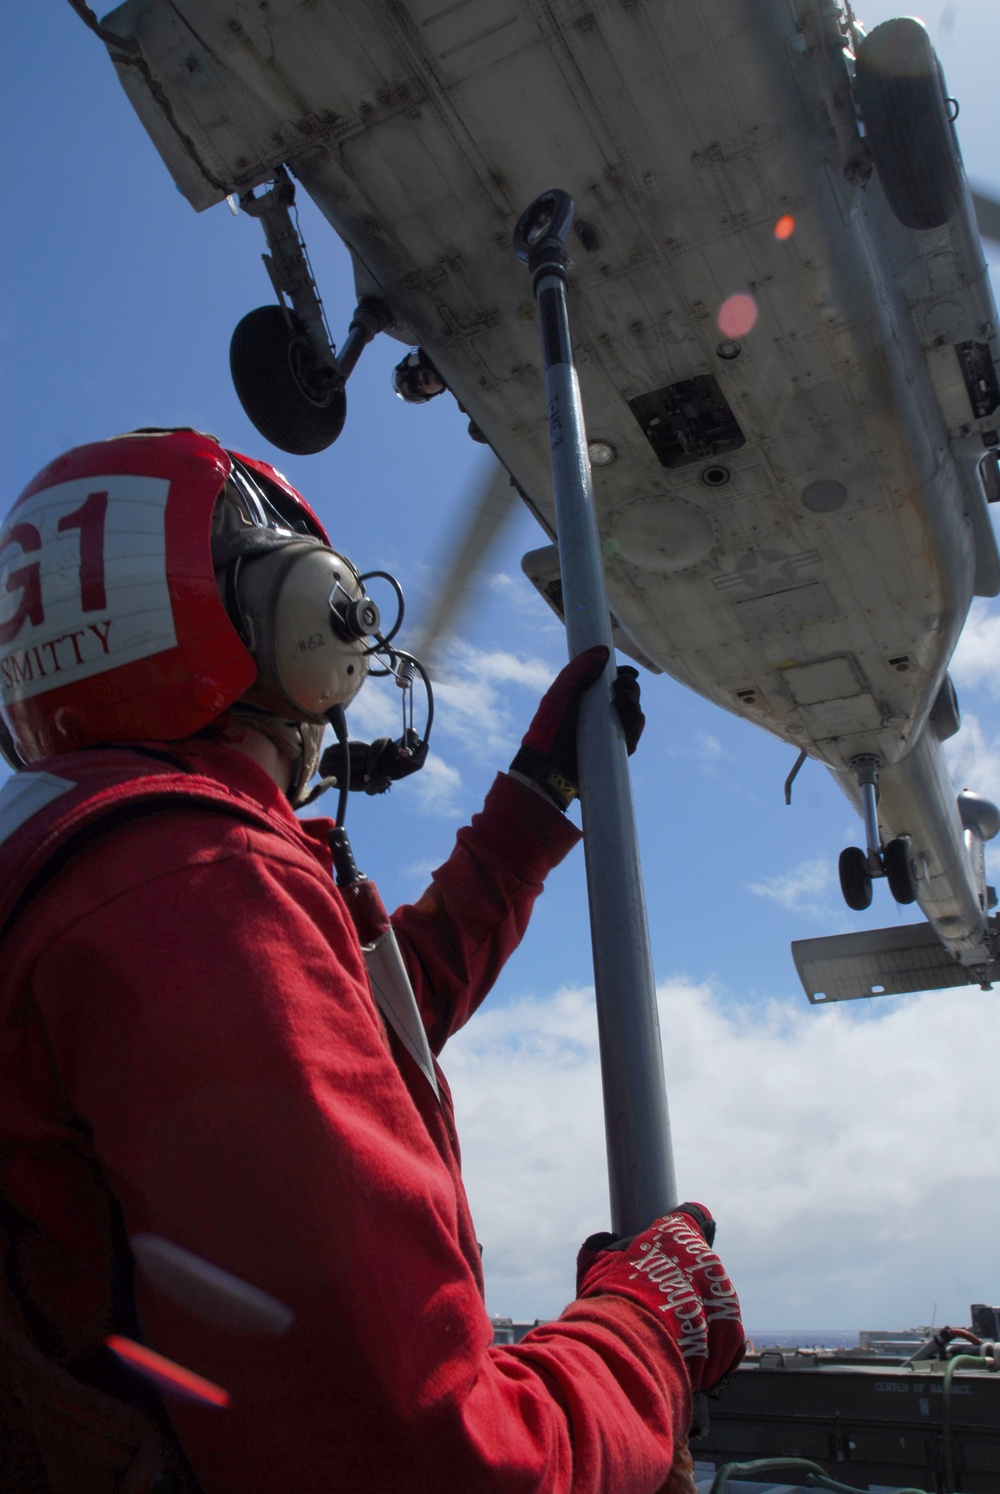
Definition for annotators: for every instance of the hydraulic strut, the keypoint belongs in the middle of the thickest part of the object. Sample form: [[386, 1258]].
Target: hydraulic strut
[[287, 265], [640, 1162], [865, 770]]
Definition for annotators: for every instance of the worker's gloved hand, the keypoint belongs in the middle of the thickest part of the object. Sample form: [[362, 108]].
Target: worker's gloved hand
[[625, 694], [376, 766], [671, 1269], [548, 752]]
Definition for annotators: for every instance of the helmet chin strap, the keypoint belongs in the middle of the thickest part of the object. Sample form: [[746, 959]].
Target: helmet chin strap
[[299, 743]]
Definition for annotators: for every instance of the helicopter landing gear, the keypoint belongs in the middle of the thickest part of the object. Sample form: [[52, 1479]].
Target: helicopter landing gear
[[855, 879], [900, 870], [290, 397], [895, 862], [286, 371], [909, 123]]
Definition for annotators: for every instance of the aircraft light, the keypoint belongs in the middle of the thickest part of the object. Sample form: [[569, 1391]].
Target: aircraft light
[[737, 315], [824, 495], [785, 226], [601, 453]]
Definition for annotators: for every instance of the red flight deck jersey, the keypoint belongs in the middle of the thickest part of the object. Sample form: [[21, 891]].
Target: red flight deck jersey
[[189, 1047]]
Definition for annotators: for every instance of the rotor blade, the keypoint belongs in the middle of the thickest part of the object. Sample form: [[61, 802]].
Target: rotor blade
[[497, 500], [987, 216]]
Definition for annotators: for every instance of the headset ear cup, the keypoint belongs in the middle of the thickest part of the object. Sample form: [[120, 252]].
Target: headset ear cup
[[258, 585], [304, 667]]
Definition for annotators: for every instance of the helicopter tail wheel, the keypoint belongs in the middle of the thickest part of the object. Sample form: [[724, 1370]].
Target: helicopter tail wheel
[[908, 122], [289, 398], [900, 870], [855, 879]]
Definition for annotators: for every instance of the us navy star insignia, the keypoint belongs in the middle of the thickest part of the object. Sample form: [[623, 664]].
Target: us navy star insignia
[[765, 568]]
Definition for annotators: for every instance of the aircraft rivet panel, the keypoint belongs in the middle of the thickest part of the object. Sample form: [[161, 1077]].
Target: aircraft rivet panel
[[836, 678], [786, 611], [661, 533]]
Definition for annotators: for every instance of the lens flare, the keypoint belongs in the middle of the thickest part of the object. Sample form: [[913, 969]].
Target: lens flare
[[785, 226], [171, 1379], [737, 315]]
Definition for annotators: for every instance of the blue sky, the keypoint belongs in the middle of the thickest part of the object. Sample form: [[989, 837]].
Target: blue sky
[[833, 1144]]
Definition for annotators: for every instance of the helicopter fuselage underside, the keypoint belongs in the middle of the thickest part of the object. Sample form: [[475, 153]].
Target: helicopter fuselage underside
[[794, 524]]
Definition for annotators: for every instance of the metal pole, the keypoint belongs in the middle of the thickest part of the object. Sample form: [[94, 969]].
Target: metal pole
[[640, 1162]]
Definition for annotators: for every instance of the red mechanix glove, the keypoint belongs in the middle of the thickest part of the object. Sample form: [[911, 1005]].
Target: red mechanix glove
[[670, 1269], [548, 752]]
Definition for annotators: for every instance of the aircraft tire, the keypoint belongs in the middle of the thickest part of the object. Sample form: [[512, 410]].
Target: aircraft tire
[[901, 94], [270, 366], [898, 859], [855, 882]]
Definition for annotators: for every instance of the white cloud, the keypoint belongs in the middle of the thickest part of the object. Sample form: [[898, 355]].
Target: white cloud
[[804, 890], [709, 751], [376, 711], [495, 667], [438, 787], [974, 758], [472, 710], [473, 703], [976, 661], [505, 584], [847, 1151]]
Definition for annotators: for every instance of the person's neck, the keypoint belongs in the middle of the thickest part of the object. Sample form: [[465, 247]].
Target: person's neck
[[261, 750]]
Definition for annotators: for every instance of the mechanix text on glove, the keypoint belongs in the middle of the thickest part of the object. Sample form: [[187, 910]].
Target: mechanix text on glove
[[671, 1270]]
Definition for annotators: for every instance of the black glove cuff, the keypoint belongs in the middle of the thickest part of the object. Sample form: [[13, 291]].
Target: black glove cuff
[[718, 1390], [548, 777], [605, 1240], [705, 1222], [376, 766]]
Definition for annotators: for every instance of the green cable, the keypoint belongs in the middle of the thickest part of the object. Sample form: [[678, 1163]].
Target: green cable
[[960, 1361], [813, 1476]]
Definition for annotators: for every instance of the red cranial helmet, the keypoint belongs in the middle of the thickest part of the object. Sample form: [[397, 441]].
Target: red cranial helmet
[[114, 563]]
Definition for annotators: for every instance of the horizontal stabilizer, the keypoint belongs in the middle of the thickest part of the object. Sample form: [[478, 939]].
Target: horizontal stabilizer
[[881, 962]]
